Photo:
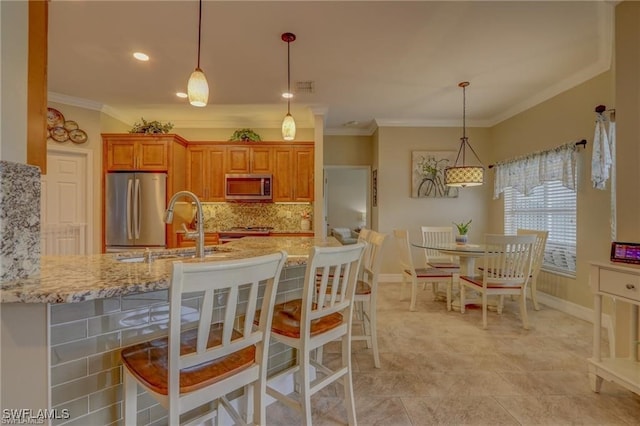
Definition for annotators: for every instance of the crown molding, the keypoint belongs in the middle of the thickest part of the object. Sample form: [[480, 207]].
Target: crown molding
[[73, 101]]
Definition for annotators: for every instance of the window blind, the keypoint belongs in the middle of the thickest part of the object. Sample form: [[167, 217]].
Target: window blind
[[549, 207]]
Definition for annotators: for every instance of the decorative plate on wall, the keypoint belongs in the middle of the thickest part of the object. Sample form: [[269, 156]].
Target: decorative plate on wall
[[70, 125], [54, 118], [59, 134], [78, 136]]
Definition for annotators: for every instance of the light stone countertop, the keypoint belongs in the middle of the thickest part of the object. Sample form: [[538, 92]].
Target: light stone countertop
[[69, 279]]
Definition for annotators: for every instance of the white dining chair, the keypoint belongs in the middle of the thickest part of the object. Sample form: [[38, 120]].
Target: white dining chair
[[538, 259], [323, 314], [506, 269], [199, 363], [414, 276], [437, 236], [433, 236]]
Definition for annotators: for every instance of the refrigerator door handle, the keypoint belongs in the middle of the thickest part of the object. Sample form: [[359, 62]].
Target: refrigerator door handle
[[129, 200], [136, 208]]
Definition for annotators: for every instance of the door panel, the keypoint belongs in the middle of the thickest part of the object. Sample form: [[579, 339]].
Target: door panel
[[152, 203], [63, 204]]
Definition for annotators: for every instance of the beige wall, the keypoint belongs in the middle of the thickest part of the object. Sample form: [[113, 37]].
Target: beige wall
[[348, 150], [627, 106], [13, 94], [396, 208], [564, 118]]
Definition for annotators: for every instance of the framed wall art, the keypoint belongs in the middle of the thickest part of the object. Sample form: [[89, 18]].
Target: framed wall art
[[427, 174], [374, 188]]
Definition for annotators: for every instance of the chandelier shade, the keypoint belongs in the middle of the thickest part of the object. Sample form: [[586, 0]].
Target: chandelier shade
[[463, 175], [197, 87], [288, 124]]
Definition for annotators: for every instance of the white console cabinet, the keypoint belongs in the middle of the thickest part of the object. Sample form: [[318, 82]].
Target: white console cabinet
[[623, 284]]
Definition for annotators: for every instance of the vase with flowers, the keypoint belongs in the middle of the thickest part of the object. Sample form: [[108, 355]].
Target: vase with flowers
[[463, 229]]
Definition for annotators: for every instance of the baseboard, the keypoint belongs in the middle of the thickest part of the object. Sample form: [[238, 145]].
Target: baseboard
[[556, 303]]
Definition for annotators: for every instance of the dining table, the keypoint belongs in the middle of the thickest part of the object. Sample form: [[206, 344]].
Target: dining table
[[467, 253]]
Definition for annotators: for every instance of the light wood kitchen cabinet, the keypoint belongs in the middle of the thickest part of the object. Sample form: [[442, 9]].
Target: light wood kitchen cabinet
[[293, 173], [133, 152], [205, 171], [303, 174], [245, 159]]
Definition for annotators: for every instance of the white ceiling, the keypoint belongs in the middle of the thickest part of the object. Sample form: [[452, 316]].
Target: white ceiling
[[371, 62]]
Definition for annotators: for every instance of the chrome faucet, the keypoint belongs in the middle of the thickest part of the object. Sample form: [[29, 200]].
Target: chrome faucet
[[199, 236]]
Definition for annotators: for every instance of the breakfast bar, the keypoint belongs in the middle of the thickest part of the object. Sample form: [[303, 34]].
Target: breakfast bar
[[76, 314]]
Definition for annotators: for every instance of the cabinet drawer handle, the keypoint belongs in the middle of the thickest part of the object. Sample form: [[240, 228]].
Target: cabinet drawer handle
[[630, 286]]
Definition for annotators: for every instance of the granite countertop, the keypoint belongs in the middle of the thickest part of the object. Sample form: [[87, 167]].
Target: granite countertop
[[69, 279]]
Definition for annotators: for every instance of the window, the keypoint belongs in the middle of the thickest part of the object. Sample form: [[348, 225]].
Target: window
[[549, 207]]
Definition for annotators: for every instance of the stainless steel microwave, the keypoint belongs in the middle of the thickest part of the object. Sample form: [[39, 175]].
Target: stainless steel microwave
[[248, 187]]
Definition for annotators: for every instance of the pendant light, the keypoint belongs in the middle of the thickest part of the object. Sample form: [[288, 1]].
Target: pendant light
[[463, 175], [288, 124], [197, 87]]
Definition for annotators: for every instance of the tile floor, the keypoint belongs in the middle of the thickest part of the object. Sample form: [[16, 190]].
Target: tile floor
[[440, 367]]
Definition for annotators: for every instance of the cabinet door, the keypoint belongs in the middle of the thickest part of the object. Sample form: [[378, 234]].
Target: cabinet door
[[261, 160], [215, 174], [121, 155], [152, 155], [196, 170], [303, 174], [238, 159], [282, 174]]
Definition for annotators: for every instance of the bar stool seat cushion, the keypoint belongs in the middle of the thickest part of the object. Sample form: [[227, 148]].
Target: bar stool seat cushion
[[148, 361], [286, 320]]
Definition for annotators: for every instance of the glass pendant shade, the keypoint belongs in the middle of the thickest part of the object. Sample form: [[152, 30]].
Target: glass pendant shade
[[198, 89], [288, 128], [462, 176]]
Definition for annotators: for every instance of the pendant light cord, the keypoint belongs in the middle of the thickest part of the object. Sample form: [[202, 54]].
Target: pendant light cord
[[199, 31], [289, 76]]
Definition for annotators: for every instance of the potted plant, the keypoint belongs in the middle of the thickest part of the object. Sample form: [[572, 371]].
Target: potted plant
[[463, 229], [151, 127], [245, 135]]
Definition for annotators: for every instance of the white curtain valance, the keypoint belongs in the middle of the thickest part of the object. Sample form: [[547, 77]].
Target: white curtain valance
[[525, 173]]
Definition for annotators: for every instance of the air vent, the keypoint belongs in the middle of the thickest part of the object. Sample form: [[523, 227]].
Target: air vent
[[304, 87]]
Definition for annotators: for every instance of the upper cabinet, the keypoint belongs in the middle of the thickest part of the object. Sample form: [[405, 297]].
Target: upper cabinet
[[244, 159], [293, 173], [132, 152], [205, 171]]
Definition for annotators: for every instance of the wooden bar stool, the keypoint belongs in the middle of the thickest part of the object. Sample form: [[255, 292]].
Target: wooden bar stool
[[198, 364], [309, 323]]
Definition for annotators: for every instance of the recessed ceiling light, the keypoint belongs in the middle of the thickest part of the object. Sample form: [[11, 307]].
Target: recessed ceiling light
[[287, 95], [181, 95], [141, 56]]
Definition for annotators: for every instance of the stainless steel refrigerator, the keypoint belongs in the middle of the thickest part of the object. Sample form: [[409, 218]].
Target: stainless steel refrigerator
[[134, 208]]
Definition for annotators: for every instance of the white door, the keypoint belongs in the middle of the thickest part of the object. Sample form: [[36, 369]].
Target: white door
[[64, 203]]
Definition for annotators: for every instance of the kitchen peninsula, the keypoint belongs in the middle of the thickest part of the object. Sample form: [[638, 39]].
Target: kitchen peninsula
[[85, 308]]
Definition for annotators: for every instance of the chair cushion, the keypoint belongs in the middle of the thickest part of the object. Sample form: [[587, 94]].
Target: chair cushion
[[286, 320], [431, 273], [149, 362], [363, 287], [478, 281], [445, 265]]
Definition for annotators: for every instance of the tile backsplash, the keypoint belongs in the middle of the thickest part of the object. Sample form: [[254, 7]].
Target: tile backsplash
[[281, 217]]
